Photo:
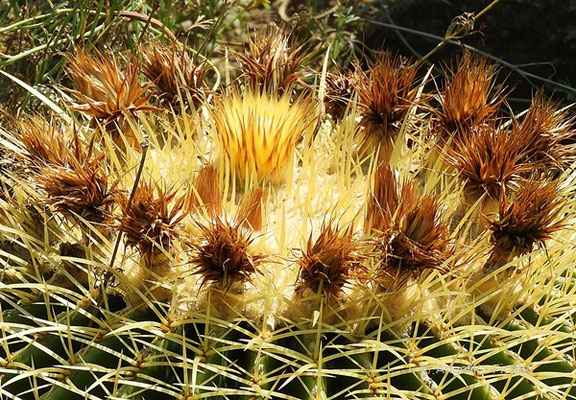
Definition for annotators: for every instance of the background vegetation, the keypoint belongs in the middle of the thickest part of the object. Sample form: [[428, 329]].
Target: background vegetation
[[534, 40]]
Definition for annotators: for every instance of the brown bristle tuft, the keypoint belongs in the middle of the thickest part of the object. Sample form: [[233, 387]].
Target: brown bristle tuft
[[66, 170], [529, 220], [383, 200], [409, 235], [105, 91], [340, 89], [470, 98], [271, 62], [544, 131], [222, 257], [417, 240], [173, 71], [79, 189], [250, 212], [43, 143], [329, 262], [151, 221], [207, 194], [386, 92], [489, 160]]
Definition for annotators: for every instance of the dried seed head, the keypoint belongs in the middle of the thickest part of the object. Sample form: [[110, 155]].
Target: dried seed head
[[151, 221], [222, 257], [43, 143], [383, 201], [70, 176], [339, 93], [173, 72], [329, 262], [257, 133], [79, 189], [470, 98], [543, 132], [207, 194], [418, 240], [250, 212], [488, 159], [105, 91], [386, 92], [409, 234], [271, 63], [529, 220]]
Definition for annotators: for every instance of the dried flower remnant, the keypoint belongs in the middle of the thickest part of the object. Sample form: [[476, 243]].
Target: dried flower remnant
[[43, 143], [544, 132], [386, 92], [528, 221], [223, 257], [489, 160], [108, 93], [175, 74], [206, 193], [271, 63], [383, 200], [250, 213], [340, 90], [66, 170], [329, 262], [418, 241], [470, 98], [79, 189], [408, 232], [151, 221], [257, 133]]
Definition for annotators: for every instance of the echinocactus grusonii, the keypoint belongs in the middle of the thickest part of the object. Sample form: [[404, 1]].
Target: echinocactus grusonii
[[258, 248]]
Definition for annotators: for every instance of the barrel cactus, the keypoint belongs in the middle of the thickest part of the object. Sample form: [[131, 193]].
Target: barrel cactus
[[356, 235]]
